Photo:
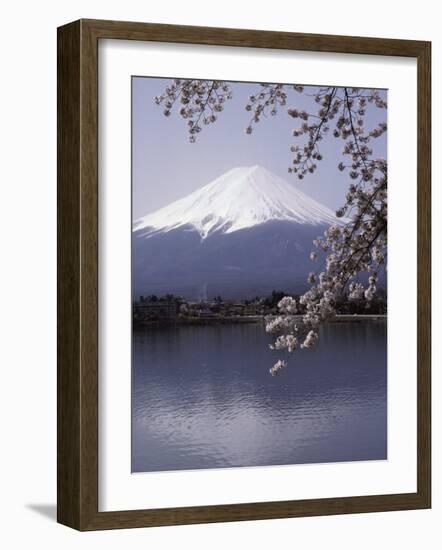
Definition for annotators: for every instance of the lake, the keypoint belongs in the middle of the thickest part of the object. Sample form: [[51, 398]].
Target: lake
[[202, 397]]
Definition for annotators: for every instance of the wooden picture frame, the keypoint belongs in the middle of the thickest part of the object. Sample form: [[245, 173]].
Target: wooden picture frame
[[78, 274]]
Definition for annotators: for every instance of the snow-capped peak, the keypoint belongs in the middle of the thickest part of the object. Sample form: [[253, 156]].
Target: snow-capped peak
[[241, 198]]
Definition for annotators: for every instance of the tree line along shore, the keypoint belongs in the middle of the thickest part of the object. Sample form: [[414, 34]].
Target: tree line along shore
[[171, 309]]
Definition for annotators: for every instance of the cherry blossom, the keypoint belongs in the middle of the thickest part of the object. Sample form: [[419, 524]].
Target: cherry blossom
[[198, 102]]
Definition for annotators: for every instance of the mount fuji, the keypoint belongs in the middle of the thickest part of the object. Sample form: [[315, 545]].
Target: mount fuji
[[246, 233]]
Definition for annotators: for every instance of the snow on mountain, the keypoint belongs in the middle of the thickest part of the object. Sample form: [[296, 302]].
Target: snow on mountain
[[241, 198]]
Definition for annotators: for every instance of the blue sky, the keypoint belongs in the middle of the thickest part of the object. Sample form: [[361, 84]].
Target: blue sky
[[167, 167]]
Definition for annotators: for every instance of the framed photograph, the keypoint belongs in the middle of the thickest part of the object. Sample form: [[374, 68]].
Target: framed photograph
[[243, 275]]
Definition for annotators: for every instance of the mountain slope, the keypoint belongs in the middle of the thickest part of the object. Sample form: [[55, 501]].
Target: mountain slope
[[242, 198], [245, 234]]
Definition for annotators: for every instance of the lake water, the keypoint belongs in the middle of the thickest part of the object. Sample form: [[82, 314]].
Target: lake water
[[202, 397]]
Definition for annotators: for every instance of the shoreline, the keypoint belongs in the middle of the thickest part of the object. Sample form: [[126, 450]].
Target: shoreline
[[341, 318], [200, 322]]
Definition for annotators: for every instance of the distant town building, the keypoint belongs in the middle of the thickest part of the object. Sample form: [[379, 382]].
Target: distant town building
[[170, 308], [152, 308]]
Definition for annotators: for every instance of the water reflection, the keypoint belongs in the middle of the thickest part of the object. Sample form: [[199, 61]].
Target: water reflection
[[202, 397]]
